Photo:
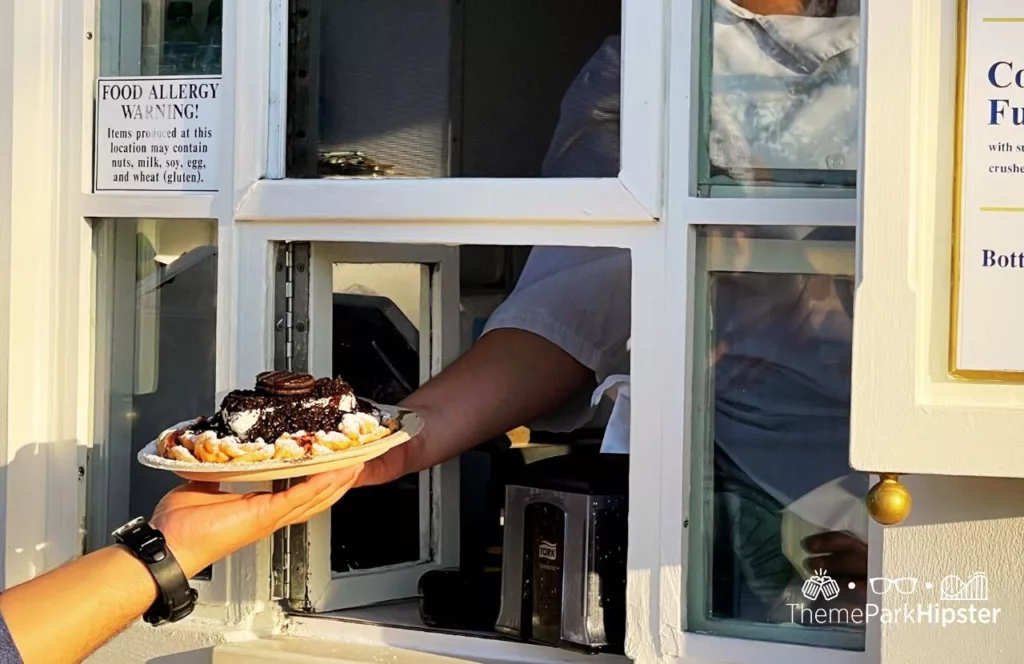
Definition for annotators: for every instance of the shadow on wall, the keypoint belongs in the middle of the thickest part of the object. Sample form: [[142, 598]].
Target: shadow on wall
[[200, 656], [40, 534], [945, 499]]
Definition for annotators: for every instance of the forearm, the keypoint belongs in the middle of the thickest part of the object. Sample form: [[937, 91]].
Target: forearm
[[508, 378], [65, 615]]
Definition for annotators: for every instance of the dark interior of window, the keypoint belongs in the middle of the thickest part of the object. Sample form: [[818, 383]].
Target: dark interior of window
[[433, 88]]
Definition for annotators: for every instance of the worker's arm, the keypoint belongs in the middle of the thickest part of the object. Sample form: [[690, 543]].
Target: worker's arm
[[509, 377], [65, 615], [567, 318]]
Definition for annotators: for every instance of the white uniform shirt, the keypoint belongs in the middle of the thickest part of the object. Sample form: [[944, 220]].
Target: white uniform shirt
[[784, 90]]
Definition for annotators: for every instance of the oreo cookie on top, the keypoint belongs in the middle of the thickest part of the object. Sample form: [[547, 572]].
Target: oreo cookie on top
[[284, 383]]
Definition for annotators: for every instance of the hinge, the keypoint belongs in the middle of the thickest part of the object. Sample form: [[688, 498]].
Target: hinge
[[291, 352]]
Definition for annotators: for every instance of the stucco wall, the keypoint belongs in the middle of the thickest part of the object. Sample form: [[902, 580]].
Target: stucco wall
[[959, 526], [164, 645]]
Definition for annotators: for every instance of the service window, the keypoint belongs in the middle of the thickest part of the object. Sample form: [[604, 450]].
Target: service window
[[390, 166], [384, 318], [388, 317], [378, 94]]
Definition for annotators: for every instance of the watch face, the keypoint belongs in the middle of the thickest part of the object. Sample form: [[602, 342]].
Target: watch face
[[134, 523]]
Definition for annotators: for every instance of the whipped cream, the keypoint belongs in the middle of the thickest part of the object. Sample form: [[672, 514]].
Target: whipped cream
[[241, 421]]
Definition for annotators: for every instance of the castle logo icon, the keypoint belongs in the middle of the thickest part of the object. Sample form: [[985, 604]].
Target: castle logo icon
[[972, 589]]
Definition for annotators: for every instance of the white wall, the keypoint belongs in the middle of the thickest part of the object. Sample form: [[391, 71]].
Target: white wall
[[169, 644], [959, 526]]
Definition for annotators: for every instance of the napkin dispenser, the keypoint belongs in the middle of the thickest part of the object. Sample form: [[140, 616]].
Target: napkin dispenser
[[564, 555]]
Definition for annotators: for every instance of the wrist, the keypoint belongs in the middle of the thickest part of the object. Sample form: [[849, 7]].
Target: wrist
[[185, 556], [135, 572], [416, 452], [175, 598]]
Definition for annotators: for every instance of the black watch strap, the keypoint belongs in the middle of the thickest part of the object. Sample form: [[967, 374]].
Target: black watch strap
[[177, 598]]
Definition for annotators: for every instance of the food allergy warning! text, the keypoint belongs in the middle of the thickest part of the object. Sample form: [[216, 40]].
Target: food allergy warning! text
[[158, 134]]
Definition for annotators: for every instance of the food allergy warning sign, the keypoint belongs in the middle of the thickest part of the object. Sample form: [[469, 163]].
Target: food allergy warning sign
[[988, 289], [158, 133]]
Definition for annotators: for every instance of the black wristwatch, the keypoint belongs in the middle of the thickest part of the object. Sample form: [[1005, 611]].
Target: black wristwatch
[[177, 598]]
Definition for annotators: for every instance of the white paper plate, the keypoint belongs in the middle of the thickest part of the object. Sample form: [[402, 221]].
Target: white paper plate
[[410, 424]]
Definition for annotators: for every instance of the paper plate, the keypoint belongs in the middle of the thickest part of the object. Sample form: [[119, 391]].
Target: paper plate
[[410, 424]]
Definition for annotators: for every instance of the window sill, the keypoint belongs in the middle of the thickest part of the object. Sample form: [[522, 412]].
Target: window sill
[[307, 651], [710, 648], [344, 634]]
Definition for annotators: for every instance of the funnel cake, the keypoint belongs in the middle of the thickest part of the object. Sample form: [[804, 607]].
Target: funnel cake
[[287, 416]]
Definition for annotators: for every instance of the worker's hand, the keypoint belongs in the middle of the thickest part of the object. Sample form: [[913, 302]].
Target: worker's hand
[[397, 462], [843, 557], [410, 457], [840, 554], [386, 468], [203, 525]]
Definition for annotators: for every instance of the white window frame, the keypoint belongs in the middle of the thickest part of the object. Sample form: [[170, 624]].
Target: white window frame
[[759, 256], [115, 368], [439, 486], [635, 195], [685, 212]]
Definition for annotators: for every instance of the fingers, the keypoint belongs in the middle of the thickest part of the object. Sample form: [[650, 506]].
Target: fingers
[[833, 542], [197, 493], [380, 470], [288, 506], [854, 565], [322, 505]]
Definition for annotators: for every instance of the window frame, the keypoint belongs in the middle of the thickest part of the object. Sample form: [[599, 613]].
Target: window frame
[[686, 209], [767, 256], [244, 107], [103, 505], [636, 194], [657, 182], [439, 486]]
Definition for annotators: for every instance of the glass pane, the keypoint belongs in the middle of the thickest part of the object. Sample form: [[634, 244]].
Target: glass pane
[[439, 88], [781, 94], [782, 528], [160, 37], [378, 314], [156, 328]]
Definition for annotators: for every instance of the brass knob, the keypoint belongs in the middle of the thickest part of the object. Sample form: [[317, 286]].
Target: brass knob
[[888, 501]]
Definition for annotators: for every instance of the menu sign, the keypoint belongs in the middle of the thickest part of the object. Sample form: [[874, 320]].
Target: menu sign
[[988, 290], [159, 133]]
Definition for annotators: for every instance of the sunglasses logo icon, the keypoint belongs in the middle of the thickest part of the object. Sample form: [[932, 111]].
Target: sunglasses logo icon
[[881, 585]]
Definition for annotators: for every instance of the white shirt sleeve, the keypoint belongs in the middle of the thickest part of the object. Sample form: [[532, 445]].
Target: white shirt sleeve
[[578, 298]]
